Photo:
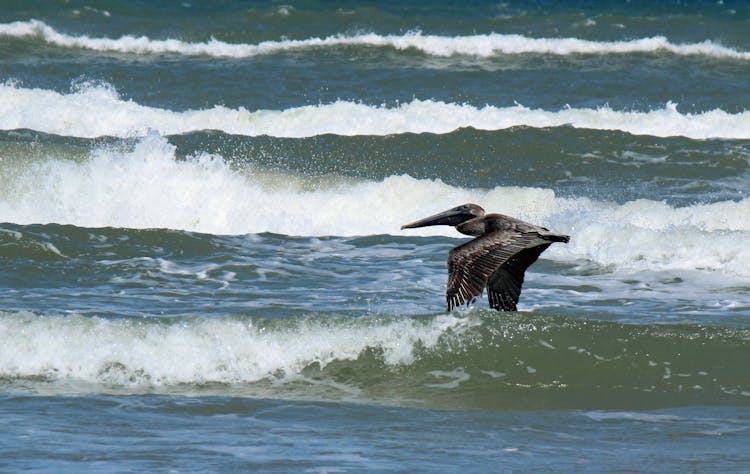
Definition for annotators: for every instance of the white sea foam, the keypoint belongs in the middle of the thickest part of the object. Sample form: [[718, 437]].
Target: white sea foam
[[97, 110], [650, 235], [148, 187], [631, 416], [202, 350], [482, 45]]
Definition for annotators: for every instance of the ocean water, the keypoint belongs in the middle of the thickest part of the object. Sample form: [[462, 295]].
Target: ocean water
[[201, 261]]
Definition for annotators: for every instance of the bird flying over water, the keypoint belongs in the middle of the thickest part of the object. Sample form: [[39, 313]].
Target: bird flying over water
[[496, 259]]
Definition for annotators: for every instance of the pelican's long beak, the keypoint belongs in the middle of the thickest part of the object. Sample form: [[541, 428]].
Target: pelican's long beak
[[450, 217]]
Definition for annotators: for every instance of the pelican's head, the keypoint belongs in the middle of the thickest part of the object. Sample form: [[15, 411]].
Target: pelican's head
[[452, 217]]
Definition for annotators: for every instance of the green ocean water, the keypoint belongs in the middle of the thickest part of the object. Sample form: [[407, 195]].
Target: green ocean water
[[202, 265]]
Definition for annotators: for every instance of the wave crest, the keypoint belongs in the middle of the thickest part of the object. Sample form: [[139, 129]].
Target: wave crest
[[94, 110], [481, 45], [148, 187], [478, 361]]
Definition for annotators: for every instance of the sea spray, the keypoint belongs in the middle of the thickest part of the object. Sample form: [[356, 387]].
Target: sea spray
[[149, 187]]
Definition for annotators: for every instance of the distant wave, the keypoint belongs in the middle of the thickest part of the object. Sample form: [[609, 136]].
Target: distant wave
[[148, 187], [483, 45], [97, 110]]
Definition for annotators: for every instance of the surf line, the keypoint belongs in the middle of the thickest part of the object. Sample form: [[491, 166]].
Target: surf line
[[480, 45]]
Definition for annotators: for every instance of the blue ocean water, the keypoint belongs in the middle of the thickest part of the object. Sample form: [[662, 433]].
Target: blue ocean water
[[202, 266]]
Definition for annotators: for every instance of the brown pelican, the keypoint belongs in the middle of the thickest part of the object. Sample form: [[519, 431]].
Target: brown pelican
[[497, 259]]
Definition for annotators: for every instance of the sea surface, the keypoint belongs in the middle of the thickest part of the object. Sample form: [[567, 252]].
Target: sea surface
[[201, 261]]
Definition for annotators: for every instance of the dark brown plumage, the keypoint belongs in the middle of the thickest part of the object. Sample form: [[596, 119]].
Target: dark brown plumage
[[496, 259]]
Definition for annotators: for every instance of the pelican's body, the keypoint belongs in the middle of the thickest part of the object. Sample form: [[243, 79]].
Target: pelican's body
[[496, 259]]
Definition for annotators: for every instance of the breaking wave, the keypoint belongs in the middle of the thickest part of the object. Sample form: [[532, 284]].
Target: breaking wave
[[481, 45], [478, 361], [97, 110], [147, 186]]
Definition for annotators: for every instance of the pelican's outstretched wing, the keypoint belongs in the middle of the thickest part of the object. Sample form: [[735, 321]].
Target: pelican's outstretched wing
[[504, 287], [496, 260]]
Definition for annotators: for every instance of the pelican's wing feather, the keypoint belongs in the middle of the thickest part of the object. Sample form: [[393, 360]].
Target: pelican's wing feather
[[504, 287], [496, 260]]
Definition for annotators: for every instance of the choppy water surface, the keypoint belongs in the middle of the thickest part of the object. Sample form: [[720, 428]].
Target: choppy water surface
[[202, 267]]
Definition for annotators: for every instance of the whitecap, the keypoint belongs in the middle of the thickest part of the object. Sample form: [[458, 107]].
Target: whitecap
[[148, 187], [481, 45], [133, 352], [96, 109]]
